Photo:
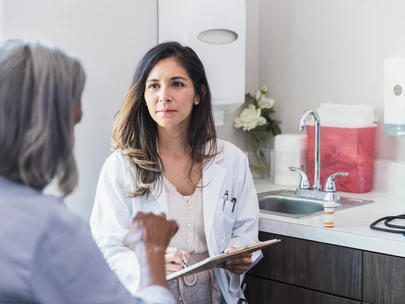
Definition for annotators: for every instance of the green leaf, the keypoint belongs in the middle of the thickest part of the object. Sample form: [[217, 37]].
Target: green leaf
[[275, 129], [267, 112], [249, 98]]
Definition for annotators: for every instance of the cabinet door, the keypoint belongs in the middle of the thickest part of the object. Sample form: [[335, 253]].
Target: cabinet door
[[383, 278], [261, 291], [318, 266]]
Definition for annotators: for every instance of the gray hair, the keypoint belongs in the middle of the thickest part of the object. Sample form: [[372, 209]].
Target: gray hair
[[39, 89]]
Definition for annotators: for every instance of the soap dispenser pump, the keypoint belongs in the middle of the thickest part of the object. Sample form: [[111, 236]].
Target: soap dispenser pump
[[394, 96]]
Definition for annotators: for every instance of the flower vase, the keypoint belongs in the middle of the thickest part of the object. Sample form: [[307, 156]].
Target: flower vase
[[259, 162]]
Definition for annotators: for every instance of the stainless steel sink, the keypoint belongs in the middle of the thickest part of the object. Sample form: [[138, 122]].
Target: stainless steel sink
[[286, 203]]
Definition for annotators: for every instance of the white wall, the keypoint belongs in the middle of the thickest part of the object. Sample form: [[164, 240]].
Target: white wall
[[317, 51], [109, 37], [1, 18]]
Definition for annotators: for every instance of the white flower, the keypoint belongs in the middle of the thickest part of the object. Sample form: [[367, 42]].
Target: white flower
[[258, 95], [266, 102], [249, 118]]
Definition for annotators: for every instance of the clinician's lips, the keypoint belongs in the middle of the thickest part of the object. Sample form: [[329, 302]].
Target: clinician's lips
[[166, 111]]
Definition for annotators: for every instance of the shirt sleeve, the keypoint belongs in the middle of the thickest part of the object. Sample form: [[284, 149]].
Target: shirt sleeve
[[110, 220], [69, 268]]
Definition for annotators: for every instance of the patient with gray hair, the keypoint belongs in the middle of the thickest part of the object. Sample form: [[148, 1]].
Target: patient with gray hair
[[47, 254]]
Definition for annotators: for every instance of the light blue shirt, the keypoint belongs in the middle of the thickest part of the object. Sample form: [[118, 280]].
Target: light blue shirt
[[47, 255]]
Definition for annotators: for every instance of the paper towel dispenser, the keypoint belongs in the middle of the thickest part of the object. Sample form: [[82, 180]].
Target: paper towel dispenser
[[394, 96], [217, 36], [216, 30]]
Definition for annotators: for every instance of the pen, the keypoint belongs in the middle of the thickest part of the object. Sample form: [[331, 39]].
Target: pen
[[225, 199], [233, 201], [185, 265], [183, 259]]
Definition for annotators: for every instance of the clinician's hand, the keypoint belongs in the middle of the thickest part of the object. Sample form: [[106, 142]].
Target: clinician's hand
[[176, 259], [149, 237], [238, 265]]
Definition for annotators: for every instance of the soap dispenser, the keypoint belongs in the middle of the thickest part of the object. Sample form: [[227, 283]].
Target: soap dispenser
[[394, 96]]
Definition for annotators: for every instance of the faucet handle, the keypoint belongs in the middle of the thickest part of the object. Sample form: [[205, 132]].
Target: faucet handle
[[330, 185], [304, 184]]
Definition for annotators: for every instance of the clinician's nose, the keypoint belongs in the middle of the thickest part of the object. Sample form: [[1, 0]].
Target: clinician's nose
[[165, 95]]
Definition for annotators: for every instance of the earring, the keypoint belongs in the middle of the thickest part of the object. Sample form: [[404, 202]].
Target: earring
[[196, 103]]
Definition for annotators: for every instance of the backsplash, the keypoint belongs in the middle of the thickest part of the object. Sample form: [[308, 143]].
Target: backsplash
[[389, 177]]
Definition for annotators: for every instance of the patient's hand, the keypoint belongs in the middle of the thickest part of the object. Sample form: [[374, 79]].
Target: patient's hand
[[149, 237], [150, 231]]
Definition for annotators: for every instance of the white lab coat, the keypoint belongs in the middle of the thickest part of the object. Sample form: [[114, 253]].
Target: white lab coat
[[228, 171]]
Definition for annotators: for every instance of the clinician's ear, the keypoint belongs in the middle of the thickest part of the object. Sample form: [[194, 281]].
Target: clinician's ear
[[197, 97], [204, 89]]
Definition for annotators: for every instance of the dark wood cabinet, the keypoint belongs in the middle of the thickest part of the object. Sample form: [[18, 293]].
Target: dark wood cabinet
[[322, 267], [383, 278], [307, 272], [261, 291]]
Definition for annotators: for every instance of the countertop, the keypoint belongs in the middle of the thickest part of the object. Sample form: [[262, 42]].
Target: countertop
[[352, 225]]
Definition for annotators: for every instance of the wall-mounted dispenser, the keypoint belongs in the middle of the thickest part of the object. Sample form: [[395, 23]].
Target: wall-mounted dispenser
[[394, 96], [216, 31]]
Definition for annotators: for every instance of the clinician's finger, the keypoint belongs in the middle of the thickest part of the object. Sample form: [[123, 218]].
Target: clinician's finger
[[236, 269], [229, 267], [184, 257], [173, 259], [222, 265], [240, 261], [173, 267], [176, 255], [185, 254]]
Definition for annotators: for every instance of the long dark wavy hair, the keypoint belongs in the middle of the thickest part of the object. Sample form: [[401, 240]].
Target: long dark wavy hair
[[135, 132]]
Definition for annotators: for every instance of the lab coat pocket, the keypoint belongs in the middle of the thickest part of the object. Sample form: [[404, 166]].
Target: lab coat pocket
[[224, 221]]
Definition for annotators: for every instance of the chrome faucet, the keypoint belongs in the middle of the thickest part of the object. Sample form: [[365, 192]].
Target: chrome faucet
[[304, 189], [317, 125]]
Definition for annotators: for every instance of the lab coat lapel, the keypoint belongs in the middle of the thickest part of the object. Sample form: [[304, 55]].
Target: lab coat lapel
[[213, 179]]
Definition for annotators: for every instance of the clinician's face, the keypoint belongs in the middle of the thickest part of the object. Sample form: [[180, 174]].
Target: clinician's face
[[170, 95]]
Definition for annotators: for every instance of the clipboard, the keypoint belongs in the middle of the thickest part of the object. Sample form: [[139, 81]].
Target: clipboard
[[221, 258]]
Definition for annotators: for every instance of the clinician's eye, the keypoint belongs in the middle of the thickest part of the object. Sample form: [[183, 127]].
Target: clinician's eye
[[153, 86], [178, 84]]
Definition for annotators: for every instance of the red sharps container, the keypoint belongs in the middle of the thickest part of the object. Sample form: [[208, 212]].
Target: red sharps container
[[347, 145]]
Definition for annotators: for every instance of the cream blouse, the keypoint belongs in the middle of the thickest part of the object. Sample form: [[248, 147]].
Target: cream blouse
[[187, 211], [202, 288]]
